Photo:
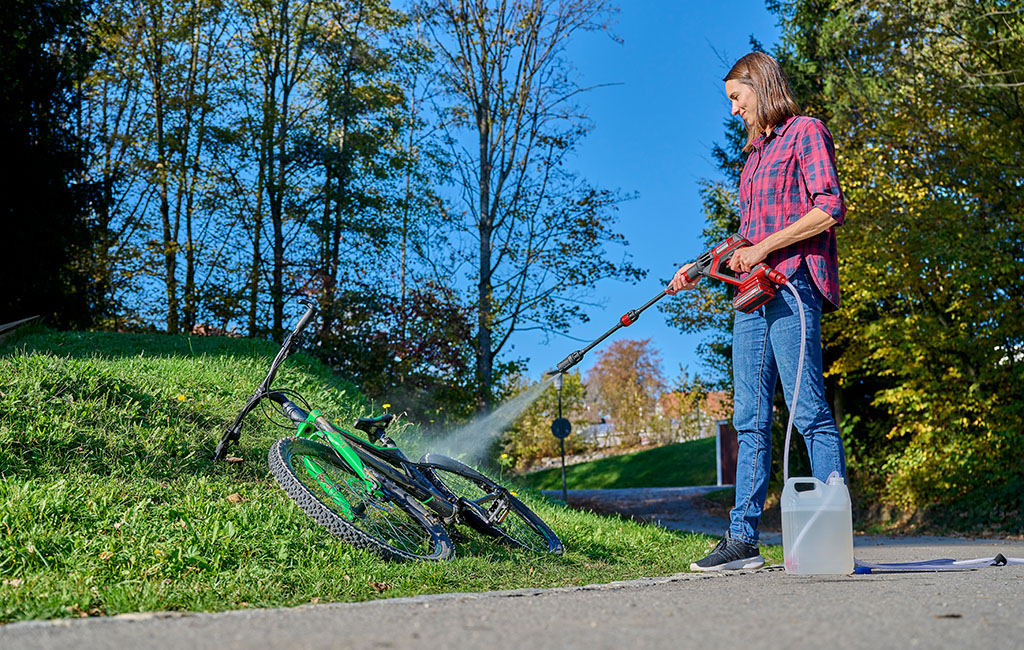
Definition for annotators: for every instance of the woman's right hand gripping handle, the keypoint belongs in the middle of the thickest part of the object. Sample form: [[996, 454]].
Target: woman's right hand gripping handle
[[680, 282]]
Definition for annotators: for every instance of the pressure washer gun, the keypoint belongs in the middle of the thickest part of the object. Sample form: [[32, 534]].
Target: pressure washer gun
[[752, 291]]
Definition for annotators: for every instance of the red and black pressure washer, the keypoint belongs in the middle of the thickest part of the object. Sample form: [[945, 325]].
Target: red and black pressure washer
[[752, 291]]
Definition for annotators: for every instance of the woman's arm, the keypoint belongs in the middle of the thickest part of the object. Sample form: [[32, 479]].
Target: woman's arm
[[814, 222]]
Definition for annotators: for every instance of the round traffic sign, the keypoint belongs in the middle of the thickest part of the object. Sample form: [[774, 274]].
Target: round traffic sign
[[561, 428]]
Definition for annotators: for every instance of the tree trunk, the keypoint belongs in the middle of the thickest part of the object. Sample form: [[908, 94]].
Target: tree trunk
[[484, 347], [170, 243]]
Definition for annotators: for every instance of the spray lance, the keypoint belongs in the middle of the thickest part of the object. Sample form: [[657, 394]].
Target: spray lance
[[752, 291]]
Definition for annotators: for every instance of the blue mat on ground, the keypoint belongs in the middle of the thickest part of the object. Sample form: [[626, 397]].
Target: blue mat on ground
[[942, 564]]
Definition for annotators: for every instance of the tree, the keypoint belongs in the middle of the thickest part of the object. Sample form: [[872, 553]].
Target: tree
[[924, 102], [356, 145], [278, 64], [529, 438], [155, 102], [929, 121], [538, 230], [708, 307], [49, 205], [685, 408], [626, 382], [180, 54], [252, 152]]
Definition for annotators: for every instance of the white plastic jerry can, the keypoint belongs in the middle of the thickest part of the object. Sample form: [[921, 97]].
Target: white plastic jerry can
[[817, 526]]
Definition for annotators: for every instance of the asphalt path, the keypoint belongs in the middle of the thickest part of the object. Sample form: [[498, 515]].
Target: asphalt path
[[755, 609]]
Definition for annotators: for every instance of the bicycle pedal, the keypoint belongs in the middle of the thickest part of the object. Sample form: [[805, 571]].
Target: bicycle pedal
[[497, 512]]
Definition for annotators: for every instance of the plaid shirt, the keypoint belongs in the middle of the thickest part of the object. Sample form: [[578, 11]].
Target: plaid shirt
[[787, 174]]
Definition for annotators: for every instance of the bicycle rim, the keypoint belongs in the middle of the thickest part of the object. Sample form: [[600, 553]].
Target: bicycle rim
[[490, 508], [380, 518]]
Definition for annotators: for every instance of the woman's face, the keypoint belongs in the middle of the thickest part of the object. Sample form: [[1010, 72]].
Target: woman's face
[[744, 100]]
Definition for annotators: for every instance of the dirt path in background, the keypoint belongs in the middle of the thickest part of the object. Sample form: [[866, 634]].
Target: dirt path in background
[[682, 508]]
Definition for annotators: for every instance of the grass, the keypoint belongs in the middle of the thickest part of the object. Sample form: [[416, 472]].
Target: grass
[[676, 465], [109, 502]]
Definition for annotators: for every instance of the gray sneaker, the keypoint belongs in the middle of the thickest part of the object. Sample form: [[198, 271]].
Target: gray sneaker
[[730, 554]]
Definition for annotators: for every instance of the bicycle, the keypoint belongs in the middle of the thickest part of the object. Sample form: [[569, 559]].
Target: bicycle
[[369, 494]]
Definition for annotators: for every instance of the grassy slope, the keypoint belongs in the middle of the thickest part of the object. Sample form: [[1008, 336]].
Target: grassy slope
[[109, 502], [684, 463]]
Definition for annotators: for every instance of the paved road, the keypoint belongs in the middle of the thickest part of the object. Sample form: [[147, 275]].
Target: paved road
[[767, 608]]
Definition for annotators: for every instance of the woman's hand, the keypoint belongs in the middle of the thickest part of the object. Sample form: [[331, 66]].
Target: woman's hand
[[747, 258], [679, 281]]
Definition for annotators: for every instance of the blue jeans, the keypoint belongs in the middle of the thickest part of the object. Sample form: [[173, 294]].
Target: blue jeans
[[766, 345]]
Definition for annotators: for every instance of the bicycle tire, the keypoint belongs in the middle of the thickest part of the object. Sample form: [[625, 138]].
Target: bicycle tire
[[519, 526], [385, 520]]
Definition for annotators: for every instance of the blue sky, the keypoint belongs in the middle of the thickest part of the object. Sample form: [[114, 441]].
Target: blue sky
[[653, 134]]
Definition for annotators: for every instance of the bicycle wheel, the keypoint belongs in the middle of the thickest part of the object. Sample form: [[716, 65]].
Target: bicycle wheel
[[488, 507], [381, 518]]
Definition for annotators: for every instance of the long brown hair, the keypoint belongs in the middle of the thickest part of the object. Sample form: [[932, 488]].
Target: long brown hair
[[775, 101]]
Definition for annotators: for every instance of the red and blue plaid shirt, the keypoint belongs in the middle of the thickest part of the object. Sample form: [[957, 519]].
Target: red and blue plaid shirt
[[787, 174]]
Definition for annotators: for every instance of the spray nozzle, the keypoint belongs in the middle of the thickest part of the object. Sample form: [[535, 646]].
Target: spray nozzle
[[567, 363]]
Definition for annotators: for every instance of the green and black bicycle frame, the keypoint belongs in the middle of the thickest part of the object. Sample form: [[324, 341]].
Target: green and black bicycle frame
[[384, 460], [389, 462]]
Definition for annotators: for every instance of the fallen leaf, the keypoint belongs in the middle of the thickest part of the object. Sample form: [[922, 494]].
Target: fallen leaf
[[236, 498], [380, 587], [13, 582], [75, 611], [234, 459], [314, 600]]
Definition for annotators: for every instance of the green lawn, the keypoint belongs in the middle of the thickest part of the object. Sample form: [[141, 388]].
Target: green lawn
[[677, 465], [109, 501]]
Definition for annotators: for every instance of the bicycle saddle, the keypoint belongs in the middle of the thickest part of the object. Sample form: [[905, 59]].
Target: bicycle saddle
[[369, 425]]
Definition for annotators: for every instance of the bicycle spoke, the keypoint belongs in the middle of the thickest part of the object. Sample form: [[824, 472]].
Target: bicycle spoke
[[371, 511], [509, 524]]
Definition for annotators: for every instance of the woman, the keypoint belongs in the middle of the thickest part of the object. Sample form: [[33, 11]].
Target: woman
[[790, 204]]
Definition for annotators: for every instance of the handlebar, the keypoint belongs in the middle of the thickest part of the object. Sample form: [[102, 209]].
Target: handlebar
[[294, 413], [308, 316], [233, 432]]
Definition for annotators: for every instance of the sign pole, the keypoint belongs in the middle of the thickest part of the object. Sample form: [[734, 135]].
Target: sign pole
[[561, 440], [561, 428]]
